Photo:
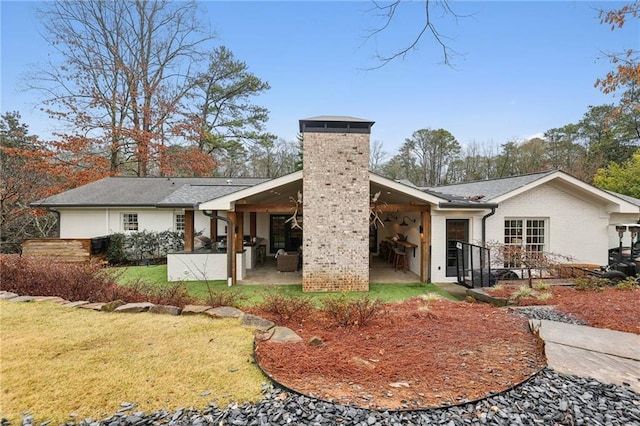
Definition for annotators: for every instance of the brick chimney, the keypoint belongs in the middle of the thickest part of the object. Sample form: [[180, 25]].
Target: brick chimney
[[336, 203]]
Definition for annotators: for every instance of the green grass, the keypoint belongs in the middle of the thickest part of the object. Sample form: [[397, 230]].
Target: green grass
[[254, 293]]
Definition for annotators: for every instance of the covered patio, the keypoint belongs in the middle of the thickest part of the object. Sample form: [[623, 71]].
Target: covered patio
[[381, 272]]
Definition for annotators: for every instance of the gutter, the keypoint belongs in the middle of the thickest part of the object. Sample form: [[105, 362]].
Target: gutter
[[229, 245], [468, 206]]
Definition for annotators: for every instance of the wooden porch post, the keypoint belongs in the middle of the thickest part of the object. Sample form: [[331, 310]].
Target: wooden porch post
[[425, 247], [188, 230], [253, 224]]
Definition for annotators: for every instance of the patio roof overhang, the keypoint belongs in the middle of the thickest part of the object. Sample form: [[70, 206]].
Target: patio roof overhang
[[276, 196]]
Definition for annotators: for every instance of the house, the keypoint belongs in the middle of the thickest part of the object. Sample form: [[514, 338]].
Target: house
[[337, 214]]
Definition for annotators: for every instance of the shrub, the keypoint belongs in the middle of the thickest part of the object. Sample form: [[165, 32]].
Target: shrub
[[590, 283], [115, 252], [523, 292], [37, 276], [629, 283], [542, 286], [286, 308], [140, 291], [351, 312], [544, 296], [231, 298]]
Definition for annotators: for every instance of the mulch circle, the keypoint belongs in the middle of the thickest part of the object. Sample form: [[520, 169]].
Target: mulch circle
[[416, 354]]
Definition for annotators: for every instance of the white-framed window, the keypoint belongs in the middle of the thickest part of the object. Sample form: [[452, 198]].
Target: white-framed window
[[180, 222], [129, 221], [528, 234]]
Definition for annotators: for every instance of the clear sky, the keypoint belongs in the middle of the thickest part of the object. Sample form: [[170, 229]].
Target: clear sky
[[522, 68]]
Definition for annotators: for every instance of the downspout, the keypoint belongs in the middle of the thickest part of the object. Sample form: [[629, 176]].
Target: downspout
[[229, 245], [484, 225]]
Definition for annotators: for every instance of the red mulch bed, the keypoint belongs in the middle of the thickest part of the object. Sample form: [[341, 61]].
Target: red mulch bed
[[610, 307], [417, 354]]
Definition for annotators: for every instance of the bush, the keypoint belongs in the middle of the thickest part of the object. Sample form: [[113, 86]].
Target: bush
[[115, 251], [523, 292], [590, 283], [137, 246], [37, 276], [139, 291], [630, 283], [231, 298], [286, 308], [351, 312]]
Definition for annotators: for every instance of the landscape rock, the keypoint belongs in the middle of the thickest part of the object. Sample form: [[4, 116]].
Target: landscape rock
[[257, 322], [21, 299], [111, 306], [93, 306], [224, 312], [195, 309], [135, 307], [316, 341], [55, 299], [5, 295], [284, 335], [75, 304], [165, 310]]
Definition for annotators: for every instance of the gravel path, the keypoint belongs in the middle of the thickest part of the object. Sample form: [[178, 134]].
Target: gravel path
[[547, 399], [546, 313]]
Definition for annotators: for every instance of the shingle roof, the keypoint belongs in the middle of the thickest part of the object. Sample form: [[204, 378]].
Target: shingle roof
[[626, 198], [491, 189], [147, 192]]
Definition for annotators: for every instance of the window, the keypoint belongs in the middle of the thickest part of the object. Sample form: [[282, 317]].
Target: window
[[180, 222], [130, 221], [523, 234]]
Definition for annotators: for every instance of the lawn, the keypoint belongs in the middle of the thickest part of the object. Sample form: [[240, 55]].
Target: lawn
[[157, 275], [58, 361]]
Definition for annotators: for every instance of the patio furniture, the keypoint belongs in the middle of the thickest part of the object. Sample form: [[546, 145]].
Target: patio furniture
[[261, 254], [400, 260], [287, 262]]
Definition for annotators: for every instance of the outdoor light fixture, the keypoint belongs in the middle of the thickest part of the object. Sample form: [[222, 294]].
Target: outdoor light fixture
[[389, 220], [404, 223], [621, 230]]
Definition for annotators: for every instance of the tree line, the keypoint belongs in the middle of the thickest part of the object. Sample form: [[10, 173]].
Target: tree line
[[603, 141]]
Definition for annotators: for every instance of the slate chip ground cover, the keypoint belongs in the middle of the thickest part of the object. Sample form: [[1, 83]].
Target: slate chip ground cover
[[420, 353]]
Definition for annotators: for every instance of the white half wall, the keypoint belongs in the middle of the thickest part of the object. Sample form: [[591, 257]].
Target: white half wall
[[204, 266]]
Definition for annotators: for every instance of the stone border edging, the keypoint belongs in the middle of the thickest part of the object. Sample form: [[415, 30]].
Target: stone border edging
[[265, 329]]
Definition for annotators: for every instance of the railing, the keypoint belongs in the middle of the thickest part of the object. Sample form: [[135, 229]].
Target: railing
[[473, 265]]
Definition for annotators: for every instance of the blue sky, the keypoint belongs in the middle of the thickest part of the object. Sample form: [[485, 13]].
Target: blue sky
[[523, 68]]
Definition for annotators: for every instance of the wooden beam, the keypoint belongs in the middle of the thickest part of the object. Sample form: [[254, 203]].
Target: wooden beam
[[188, 230], [402, 208], [267, 208]]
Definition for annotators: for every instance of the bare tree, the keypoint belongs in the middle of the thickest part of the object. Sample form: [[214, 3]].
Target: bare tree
[[125, 68], [387, 11], [377, 156]]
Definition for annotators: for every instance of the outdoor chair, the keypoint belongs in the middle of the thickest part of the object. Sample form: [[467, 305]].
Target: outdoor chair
[[287, 262]]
